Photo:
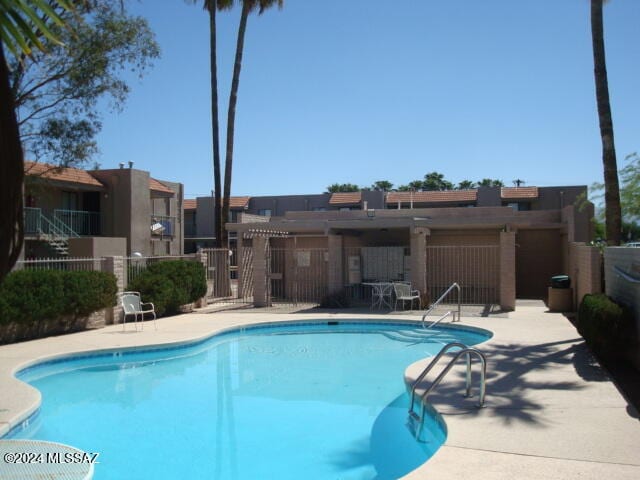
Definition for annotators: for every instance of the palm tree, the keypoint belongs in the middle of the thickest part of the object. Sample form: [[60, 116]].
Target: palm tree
[[212, 6], [611, 186], [22, 25], [248, 6]]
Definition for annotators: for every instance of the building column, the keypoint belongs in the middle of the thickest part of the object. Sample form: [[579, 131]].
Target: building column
[[239, 256], [418, 264], [116, 266], [335, 267], [507, 270], [260, 290]]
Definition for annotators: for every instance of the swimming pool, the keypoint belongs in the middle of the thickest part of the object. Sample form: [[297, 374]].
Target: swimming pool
[[318, 399]]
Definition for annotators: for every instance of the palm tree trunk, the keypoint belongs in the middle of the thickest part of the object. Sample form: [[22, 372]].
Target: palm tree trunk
[[611, 187], [231, 117], [215, 127], [11, 176]]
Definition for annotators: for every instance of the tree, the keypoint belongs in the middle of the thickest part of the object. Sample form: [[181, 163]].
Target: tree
[[212, 6], [489, 182], [629, 193], [435, 181], [22, 28], [342, 187], [466, 185], [613, 212], [248, 6], [57, 90], [382, 186]]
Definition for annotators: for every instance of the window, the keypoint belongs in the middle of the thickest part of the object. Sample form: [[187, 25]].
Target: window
[[69, 200], [265, 212], [519, 206]]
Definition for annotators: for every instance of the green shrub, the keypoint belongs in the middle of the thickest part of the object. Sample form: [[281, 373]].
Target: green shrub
[[33, 296], [604, 324], [171, 284]]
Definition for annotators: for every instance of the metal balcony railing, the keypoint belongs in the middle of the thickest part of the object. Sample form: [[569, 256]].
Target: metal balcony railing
[[81, 222], [32, 221], [163, 225]]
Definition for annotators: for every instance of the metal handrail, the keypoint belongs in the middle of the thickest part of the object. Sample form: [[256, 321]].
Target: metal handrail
[[57, 228], [468, 352], [444, 350], [442, 297], [442, 318]]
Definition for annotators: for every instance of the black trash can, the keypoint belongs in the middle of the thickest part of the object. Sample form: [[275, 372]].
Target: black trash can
[[560, 281]]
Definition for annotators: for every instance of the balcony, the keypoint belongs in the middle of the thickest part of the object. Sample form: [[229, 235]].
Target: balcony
[[162, 226], [81, 222], [68, 223]]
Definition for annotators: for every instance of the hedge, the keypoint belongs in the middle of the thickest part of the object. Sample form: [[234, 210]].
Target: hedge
[[30, 297], [171, 284], [606, 326]]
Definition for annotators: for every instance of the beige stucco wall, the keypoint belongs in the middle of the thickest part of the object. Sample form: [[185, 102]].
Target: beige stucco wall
[[585, 265]]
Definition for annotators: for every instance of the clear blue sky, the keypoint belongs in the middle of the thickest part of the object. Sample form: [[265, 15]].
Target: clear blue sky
[[364, 90]]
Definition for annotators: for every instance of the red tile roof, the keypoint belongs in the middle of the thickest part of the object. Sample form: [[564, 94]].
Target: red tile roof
[[433, 197], [519, 192], [69, 175], [158, 186], [189, 204], [239, 202], [346, 198]]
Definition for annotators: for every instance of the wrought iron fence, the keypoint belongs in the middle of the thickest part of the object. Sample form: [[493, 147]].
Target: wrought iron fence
[[296, 275], [230, 282], [65, 264], [476, 268], [135, 265]]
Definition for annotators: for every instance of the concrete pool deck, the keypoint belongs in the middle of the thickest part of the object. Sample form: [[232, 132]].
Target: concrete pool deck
[[551, 411]]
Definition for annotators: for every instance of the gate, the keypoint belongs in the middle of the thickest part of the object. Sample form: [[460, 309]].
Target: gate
[[475, 268], [226, 282], [296, 275]]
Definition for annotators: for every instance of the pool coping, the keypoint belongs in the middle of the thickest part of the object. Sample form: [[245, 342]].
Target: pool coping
[[516, 451]]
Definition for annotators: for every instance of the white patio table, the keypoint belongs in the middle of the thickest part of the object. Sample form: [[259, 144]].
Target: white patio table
[[380, 294]]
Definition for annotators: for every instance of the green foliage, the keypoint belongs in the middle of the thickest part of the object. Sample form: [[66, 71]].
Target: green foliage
[[57, 92], [23, 24], [630, 190], [171, 284], [605, 325], [382, 185], [435, 181], [490, 182], [342, 187], [35, 296], [466, 185]]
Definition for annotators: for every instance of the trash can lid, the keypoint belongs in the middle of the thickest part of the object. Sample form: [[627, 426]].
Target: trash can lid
[[560, 277]]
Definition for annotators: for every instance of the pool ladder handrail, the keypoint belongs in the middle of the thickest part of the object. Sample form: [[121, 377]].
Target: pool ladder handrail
[[440, 299], [433, 324], [464, 350]]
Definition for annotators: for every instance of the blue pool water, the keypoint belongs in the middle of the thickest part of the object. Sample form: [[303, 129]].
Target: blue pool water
[[323, 401]]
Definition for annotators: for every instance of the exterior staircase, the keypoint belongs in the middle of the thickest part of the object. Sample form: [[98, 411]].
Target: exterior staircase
[[51, 230]]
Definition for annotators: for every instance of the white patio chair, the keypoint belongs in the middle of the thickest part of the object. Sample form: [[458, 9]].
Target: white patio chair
[[133, 305], [403, 293]]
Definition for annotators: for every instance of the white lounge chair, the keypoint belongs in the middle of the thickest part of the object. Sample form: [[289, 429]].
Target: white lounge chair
[[404, 293], [133, 305]]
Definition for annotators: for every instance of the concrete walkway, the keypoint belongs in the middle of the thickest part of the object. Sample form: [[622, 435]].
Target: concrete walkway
[[551, 412]]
